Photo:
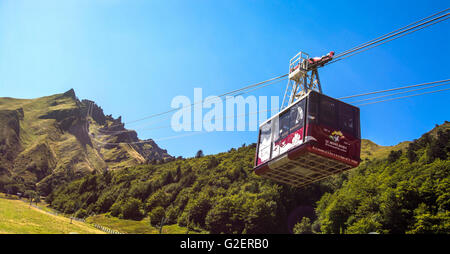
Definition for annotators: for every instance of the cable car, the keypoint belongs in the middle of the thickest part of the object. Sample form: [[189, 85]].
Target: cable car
[[314, 137]]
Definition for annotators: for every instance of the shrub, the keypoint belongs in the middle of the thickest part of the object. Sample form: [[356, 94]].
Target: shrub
[[159, 198], [132, 209], [81, 214], [303, 227], [116, 209], [394, 155], [172, 215], [156, 215]]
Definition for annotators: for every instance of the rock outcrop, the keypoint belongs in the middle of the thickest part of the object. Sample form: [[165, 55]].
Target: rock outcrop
[[49, 140]]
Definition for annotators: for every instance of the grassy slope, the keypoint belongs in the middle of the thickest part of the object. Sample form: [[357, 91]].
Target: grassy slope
[[134, 227], [36, 131], [16, 217], [374, 151]]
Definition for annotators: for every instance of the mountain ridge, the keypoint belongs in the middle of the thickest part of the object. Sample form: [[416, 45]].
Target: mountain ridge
[[47, 140]]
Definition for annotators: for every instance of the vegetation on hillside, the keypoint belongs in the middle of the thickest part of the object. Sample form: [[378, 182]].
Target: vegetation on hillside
[[218, 193], [407, 192], [404, 192]]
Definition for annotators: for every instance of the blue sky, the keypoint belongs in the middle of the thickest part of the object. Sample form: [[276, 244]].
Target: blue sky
[[133, 57]]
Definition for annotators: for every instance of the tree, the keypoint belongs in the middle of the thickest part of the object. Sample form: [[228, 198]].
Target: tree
[[410, 153], [394, 155], [261, 217], [432, 224], [227, 216], [37, 199], [81, 213], [172, 215], [198, 209], [218, 219], [116, 209], [157, 215], [199, 154], [159, 198], [439, 147], [31, 195], [364, 226], [303, 227], [131, 209]]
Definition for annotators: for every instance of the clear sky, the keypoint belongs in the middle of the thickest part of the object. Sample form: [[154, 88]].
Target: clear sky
[[133, 57]]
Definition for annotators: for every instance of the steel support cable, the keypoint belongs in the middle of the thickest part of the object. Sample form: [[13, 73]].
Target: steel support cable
[[166, 118], [441, 90], [191, 134], [369, 99], [409, 91], [202, 101], [242, 115], [379, 44], [270, 110], [404, 27], [394, 89], [222, 95], [392, 35], [183, 135], [162, 127], [202, 132], [353, 102], [218, 118]]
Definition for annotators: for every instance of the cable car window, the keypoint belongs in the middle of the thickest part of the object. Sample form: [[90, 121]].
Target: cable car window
[[297, 116], [275, 128], [264, 142], [328, 112], [264, 139], [347, 118], [312, 107], [284, 124]]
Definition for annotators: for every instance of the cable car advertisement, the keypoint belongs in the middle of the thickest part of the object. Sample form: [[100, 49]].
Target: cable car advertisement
[[282, 133], [334, 126], [286, 144], [289, 133], [335, 144]]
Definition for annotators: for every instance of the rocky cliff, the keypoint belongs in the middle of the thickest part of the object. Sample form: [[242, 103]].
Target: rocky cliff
[[49, 140]]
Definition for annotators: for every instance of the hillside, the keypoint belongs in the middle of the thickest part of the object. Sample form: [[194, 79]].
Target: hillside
[[370, 150], [407, 191], [220, 194], [45, 142]]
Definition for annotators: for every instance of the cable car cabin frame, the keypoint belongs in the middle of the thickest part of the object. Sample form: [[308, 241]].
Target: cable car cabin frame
[[315, 137]]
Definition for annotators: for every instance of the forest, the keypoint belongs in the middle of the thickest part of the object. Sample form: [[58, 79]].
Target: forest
[[407, 191]]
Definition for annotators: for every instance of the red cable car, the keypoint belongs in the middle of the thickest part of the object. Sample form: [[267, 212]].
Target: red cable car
[[314, 137]]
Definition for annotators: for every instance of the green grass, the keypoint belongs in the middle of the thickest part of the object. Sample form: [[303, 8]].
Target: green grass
[[135, 227], [374, 151], [16, 217]]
